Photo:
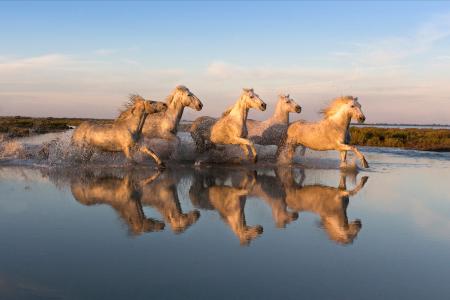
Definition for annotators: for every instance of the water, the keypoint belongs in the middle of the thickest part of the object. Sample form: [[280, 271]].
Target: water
[[403, 126], [228, 231]]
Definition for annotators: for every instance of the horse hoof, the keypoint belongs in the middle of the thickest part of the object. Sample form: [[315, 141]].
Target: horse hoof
[[365, 164], [364, 179], [255, 159]]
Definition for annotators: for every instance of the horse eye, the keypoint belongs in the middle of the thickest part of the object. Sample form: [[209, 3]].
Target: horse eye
[[251, 97], [353, 106]]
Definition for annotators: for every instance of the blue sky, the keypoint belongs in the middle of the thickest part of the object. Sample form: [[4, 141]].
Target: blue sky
[[82, 58]]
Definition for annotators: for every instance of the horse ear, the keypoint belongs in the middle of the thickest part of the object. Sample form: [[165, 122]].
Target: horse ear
[[287, 95], [356, 98], [246, 90]]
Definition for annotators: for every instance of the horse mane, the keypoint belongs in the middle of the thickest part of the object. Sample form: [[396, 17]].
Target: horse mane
[[333, 107], [169, 98], [125, 112], [227, 111]]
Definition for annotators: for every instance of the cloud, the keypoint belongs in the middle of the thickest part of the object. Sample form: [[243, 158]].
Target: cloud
[[35, 62], [224, 70], [398, 48]]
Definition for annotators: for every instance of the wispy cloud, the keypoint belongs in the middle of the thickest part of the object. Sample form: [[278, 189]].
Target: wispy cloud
[[397, 48], [35, 62], [224, 70]]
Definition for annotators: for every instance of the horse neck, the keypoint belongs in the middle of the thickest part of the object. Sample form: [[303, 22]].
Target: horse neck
[[341, 120], [239, 111], [175, 109], [141, 123], [280, 115], [136, 122]]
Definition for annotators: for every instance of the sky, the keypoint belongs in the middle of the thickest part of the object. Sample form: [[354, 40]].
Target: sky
[[83, 59]]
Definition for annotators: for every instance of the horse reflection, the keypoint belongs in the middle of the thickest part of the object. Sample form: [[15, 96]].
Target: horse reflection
[[210, 191], [328, 202], [163, 196], [122, 194], [270, 190]]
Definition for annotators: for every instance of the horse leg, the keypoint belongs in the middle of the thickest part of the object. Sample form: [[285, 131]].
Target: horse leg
[[303, 150], [343, 182], [344, 147], [199, 142], [153, 155], [359, 186], [127, 152], [285, 153], [150, 179], [245, 149], [174, 141], [253, 149], [343, 155], [245, 142]]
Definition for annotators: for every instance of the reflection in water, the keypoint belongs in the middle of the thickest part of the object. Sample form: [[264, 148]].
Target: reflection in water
[[122, 194], [329, 203], [270, 189], [226, 192], [163, 196]]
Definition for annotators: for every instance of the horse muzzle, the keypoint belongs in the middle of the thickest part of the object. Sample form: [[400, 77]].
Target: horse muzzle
[[199, 107], [298, 109], [263, 107], [361, 119]]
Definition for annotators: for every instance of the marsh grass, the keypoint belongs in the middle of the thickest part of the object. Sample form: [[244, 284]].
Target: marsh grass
[[19, 126], [408, 138]]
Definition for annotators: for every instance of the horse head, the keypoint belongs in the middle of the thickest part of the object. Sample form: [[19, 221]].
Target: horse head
[[139, 105], [354, 108], [288, 104], [152, 107], [252, 100], [183, 95]]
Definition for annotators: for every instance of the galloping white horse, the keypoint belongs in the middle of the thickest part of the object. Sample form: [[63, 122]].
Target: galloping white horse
[[124, 133], [331, 133], [164, 125], [272, 130], [231, 128]]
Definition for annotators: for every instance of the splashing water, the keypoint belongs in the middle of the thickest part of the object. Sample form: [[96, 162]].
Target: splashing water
[[55, 149]]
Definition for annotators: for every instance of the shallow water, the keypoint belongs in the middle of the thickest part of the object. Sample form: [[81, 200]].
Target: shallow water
[[239, 232]]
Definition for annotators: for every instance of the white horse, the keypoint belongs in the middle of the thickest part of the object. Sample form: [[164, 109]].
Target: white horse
[[164, 125], [231, 128], [331, 133], [272, 130], [124, 133]]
